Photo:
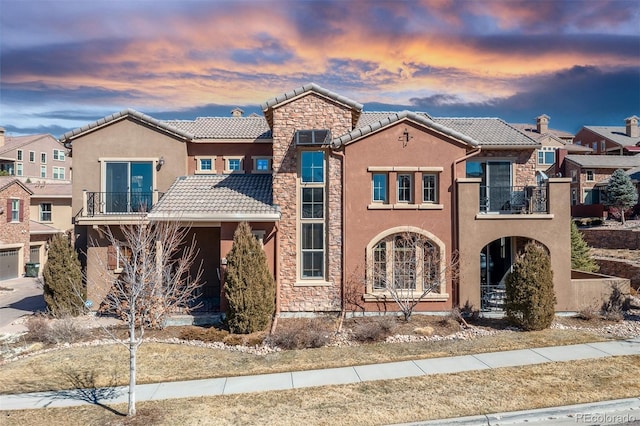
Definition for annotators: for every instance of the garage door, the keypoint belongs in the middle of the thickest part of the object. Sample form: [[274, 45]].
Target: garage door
[[9, 264]]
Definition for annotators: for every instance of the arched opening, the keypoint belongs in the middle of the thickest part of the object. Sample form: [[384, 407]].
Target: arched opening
[[496, 261]]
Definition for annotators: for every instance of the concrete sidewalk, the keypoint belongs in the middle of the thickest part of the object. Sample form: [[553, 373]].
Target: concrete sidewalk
[[331, 376]]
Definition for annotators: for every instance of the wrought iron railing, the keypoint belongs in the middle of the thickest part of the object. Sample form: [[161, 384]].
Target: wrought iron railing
[[117, 203], [514, 199]]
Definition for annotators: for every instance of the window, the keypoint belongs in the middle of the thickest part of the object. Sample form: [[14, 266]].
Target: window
[[592, 196], [574, 175], [261, 164], [312, 217], [58, 155], [16, 210], [18, 169], [205, 165], [43, 171], [58, 173], [118, 255], [43, 157], [405, 188], [429, 188], [405, 261], [127, 186], [594, 146], [379, 187], [45, 212], [546, 156], [32, 157], [19, 155], [313, 137], [603, 146], [574, 196], [590, 176], [233, 165]]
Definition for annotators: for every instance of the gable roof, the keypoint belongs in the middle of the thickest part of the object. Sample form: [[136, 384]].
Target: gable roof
[[532, 131], [489, 132], [118, 116], [605, 161], [616, 134], [387, 119], [15, 142], [7, 181], [218, 198], [269, 105], [226, 128]]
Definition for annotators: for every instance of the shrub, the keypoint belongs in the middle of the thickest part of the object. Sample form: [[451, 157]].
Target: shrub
[[303, 333], [589, 313], [63, 290], [203, 334], [530, 299], [581, 258], [64, 330], [249, 286], [374, 329], [613, 309]]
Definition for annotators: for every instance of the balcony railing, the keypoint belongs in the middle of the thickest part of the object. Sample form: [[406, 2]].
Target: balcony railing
[[119, 203], [513, 199]]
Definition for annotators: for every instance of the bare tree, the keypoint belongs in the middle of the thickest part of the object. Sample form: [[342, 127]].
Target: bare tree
[[155, 281], [406, 267]]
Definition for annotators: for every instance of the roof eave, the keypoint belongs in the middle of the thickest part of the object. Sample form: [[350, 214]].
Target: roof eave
[[207, 217]]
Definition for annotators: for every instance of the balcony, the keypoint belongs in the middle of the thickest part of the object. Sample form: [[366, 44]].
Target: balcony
[[105, 207], [513, 199]]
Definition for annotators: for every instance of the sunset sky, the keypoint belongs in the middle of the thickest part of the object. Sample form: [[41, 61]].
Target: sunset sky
[[66, 63]]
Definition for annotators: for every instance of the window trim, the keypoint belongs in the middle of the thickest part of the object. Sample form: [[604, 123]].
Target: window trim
[[43, 211], [43, 171], [19, 155], [32, 156], [593, 175], [56, 171], [389, 234], [436, 195], [227, 159], [59, 155], [16, 210], [43, 158], [19, 169], [385, 198], [199, 170], [404, 189], [257, 158]]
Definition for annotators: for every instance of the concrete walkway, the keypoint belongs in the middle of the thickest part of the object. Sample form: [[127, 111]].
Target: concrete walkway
[[330, 376]]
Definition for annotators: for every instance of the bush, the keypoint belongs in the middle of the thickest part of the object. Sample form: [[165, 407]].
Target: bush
[[374, 329], [249, 286], [530, 299], [613, 309], [581, 258], [589, 313], [63, 290], [207, 335], [303, 333], [64, 330]]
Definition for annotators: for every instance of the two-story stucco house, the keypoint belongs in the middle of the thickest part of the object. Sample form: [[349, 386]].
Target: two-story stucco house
[[328, 188]]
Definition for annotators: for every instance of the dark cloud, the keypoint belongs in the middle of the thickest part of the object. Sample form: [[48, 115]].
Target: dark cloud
[[267, 51], [573, 98], [39, 93]]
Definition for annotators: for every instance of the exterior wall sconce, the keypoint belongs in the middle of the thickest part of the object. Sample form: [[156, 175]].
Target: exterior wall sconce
[[160, 163]]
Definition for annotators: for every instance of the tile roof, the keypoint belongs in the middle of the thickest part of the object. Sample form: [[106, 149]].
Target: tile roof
[[252, 127], [616, 134], [311, 87], [14, 142], [55, 190], [224, 198], [37, 228], [6, 181], [532, 131], [605, 161], [489, 132], [391, 118], [127, 113]]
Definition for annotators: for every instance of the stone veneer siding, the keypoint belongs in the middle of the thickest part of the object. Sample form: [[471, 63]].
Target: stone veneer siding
[[308, 112], [15, 232], [525, 163]]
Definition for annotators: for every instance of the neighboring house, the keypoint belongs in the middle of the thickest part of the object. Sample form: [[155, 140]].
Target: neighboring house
[[611, 140], [14, 227], [554, 144], [50, 215], [589, 176], [328, 188], [34, 158]]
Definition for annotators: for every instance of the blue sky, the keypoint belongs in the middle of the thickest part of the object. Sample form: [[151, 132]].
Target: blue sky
[[66, 63]]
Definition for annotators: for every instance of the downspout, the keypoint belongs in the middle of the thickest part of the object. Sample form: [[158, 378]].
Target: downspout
[[343, 305], [454, 189], [276, 273]]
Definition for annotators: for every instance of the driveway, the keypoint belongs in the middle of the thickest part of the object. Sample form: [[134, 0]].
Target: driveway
[[25, 299]]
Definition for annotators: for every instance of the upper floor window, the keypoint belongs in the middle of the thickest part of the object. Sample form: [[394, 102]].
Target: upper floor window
[[312, 166], [45, 212], [405, 188], [32, 156], [18, 169], [312, 217], [546, 156], [58, 154], [15, 207], [429, 188], [313, 137], [205, 165], [19, 155], [127, 186], [379, 187], [574, 175], [233, 165], [43, 171], [58, 173], [261, 164], [43, 157], [590, 176]]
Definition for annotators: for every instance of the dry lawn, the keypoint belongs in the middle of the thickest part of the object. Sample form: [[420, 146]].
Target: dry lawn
[[381, 402]]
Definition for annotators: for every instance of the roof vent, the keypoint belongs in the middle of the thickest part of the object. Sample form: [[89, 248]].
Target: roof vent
[[237, 112], [313, 137]]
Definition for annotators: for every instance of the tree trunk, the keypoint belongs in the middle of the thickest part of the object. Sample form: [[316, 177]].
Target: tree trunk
[[622, 214], [132, 369]]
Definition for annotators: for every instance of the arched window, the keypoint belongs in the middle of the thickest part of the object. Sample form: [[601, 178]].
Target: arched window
[[405, 261]]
